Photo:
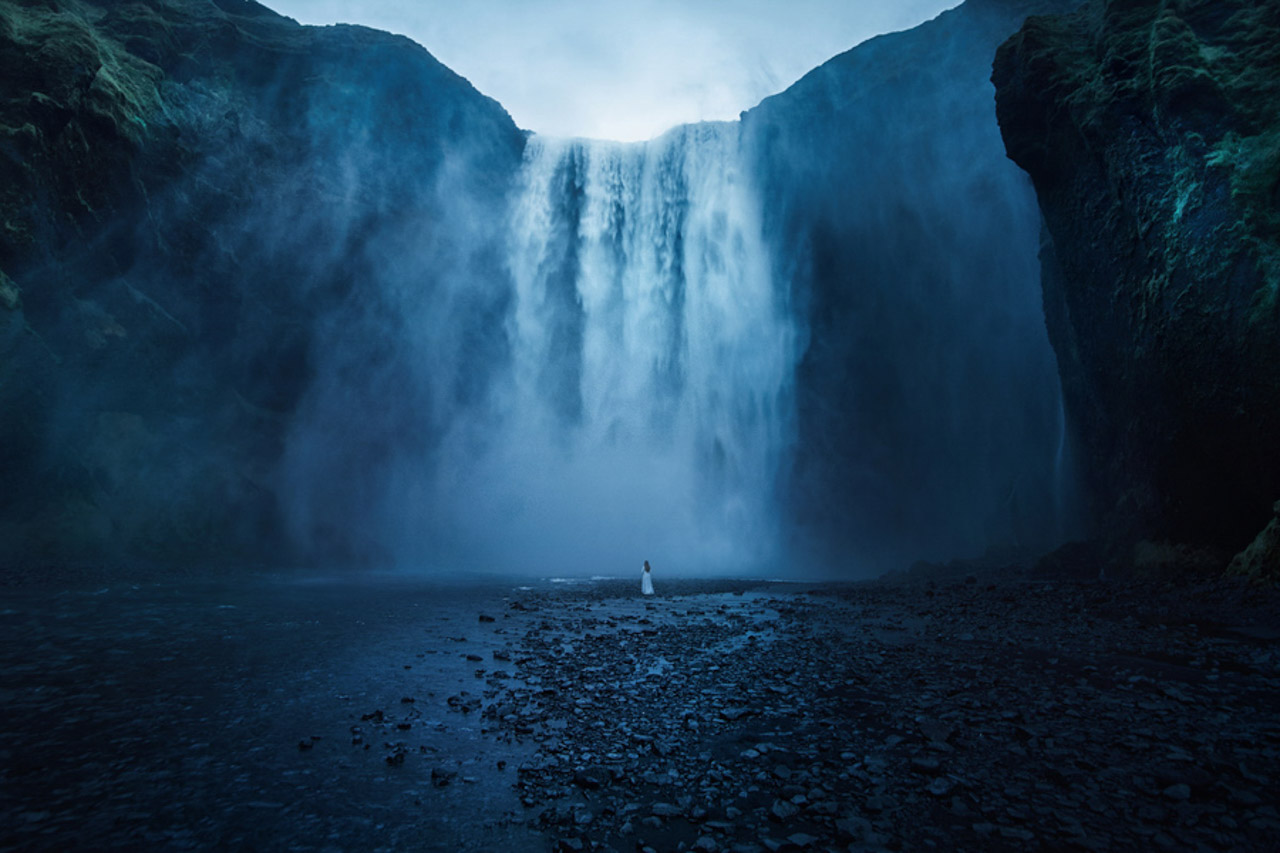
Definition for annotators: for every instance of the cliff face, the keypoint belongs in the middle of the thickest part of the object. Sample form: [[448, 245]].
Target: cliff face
[[929, 416], [204, 204], [1152, 133]]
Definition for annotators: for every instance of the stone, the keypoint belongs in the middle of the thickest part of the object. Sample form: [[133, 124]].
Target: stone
[[782, 811], [854, 828], [593, 778], [1261, 560], [942, 786]]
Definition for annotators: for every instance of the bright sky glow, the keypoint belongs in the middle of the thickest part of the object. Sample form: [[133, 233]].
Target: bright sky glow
[[626, 69]]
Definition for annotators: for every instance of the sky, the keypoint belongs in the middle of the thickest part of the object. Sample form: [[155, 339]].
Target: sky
[[625, 69]]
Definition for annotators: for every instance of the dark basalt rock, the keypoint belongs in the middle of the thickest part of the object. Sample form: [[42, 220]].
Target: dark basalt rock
[[928, 413], [199, 200], [999, 713], [1261, 560], [1152, 134]]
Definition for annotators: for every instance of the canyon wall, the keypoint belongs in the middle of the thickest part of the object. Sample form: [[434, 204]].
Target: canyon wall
[[1152, 133], [228, 242], [929, 418]]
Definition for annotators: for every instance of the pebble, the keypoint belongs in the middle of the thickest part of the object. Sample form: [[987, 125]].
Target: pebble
[[837, 716]]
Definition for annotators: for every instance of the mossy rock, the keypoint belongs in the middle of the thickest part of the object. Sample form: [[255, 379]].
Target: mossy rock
[[149, 150], [1152, 134], [1260, 562], [10, 295]]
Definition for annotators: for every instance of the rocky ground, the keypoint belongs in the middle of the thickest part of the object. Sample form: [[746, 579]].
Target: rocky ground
[[954, 715], [980, 712]]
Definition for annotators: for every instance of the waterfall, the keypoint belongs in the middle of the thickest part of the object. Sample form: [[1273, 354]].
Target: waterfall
[[650, 400]]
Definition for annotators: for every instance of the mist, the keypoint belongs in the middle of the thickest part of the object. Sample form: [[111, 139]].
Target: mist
[[598, 374]]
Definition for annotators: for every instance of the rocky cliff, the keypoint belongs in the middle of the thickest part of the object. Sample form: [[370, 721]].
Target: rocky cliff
[[203, 205], [929, 415], [1152, 133]]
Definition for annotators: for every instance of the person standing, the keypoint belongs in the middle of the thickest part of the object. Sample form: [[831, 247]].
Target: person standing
[[646, 580]]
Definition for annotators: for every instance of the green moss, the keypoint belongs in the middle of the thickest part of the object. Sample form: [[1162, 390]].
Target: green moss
[[1256, 181], [76, 65], [10, 295], [1260, 562], [1186, 188], [1254, 166]]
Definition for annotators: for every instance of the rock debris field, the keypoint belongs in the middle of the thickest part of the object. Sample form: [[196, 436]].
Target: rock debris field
[[945, 715], [967, 713]]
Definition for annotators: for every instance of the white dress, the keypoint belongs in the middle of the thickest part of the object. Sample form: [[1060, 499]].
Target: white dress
[[646, 582]]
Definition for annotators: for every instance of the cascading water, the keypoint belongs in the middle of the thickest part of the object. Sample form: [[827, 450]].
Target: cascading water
[[651, 393]]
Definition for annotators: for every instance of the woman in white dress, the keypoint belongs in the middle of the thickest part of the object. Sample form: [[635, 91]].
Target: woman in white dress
[[646, 580]]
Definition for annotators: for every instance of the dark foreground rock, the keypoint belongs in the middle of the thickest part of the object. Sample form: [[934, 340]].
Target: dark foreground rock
[[1150, 132], [988, 712], [965, 715]]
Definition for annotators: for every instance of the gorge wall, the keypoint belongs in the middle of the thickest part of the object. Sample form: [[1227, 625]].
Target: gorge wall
[[929, 418], [1152, 133], [229, 243], [285, 294]]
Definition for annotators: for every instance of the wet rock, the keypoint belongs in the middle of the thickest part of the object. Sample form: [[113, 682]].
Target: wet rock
[[1261, 560], [854, 828], [782, 811], [942, 786], [593, 778], [1006, 736], [935, 730]]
